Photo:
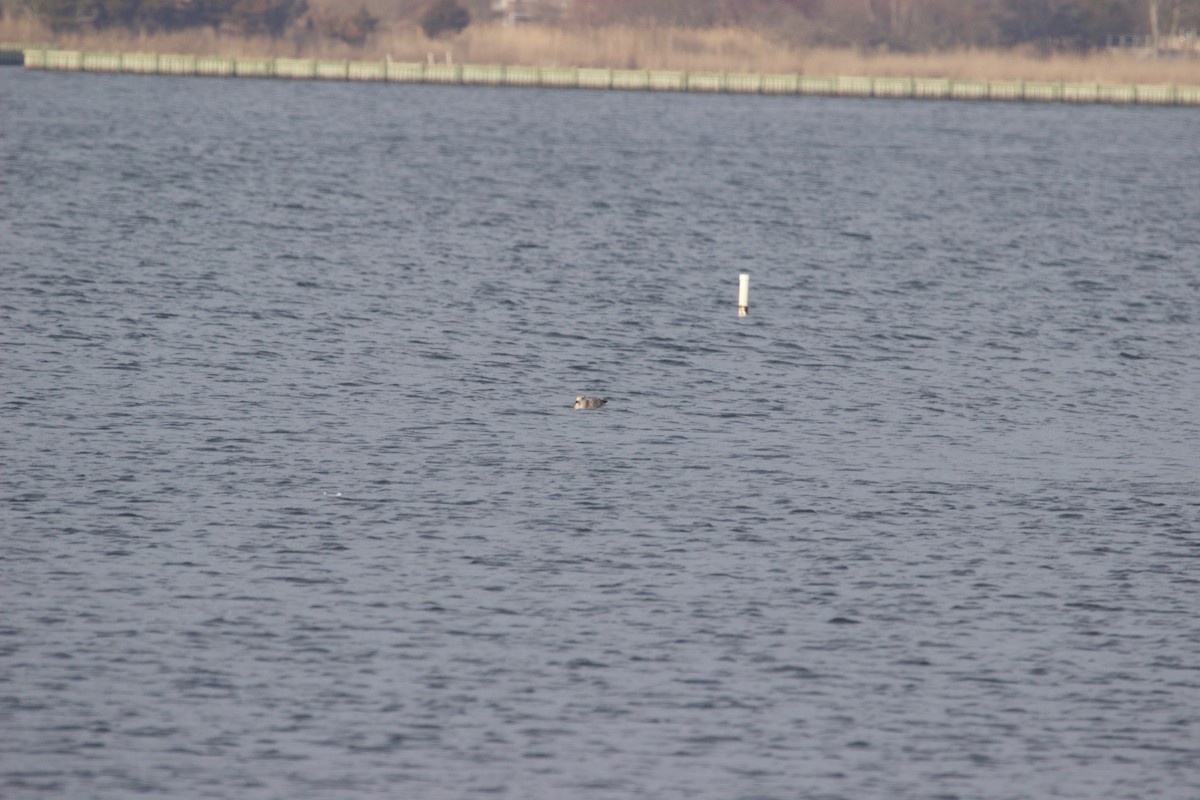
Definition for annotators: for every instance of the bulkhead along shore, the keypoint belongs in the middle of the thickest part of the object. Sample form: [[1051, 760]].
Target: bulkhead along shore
[[388, 71]]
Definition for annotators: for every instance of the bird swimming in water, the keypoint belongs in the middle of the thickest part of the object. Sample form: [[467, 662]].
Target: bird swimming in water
[[583, 402]]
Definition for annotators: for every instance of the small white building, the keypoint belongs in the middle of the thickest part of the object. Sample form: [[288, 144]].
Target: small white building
[[1185, 44], [515, 12]]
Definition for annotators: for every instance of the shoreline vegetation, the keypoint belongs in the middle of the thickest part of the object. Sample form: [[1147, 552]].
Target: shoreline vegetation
[[628, 47], [990, 40]]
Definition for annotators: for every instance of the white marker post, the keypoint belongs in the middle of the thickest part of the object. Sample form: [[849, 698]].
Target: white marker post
[[743, 294]]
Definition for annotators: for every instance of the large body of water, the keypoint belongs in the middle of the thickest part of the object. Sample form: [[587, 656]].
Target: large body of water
[[294, 503]]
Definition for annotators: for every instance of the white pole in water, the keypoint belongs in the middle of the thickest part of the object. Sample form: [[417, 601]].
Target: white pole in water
[[743, 294]]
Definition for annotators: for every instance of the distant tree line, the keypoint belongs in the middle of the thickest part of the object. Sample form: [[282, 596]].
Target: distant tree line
[[251, 17], [248, 17], [912, 24], [905, 25], [329, 18]]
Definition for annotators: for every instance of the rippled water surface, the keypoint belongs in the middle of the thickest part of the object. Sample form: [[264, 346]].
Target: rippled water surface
[[294, 503]]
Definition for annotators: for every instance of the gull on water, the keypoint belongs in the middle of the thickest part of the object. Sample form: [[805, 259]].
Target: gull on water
[[583, 402]]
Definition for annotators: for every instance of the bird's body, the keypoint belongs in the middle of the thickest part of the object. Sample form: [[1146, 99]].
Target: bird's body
[[585, 403]]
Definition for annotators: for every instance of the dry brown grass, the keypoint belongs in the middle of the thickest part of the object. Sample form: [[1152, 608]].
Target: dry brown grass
[[1100, 67], [200, 41], [730, 50], [628, 48]]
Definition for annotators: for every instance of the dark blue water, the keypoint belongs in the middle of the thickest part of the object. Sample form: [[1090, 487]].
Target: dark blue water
[[294, 503]]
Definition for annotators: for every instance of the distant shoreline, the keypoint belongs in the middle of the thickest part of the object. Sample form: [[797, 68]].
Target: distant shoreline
[[916, 88], [669, 49]]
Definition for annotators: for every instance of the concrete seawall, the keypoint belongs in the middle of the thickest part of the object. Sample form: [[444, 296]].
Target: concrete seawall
[[611, 79]]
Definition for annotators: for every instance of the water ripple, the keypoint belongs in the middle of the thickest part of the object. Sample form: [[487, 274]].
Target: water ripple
[[295, 502]]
